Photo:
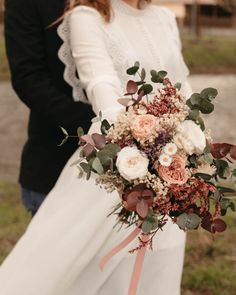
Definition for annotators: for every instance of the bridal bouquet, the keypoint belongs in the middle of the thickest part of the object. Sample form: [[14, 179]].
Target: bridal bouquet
[[160, 159]]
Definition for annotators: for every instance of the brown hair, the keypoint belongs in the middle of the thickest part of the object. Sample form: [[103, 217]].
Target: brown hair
[[102, 6]]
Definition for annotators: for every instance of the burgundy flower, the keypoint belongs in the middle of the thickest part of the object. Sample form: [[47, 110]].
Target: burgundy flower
[[138, 199]]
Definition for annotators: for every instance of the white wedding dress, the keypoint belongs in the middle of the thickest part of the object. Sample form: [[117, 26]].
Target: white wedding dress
[[60, 252]]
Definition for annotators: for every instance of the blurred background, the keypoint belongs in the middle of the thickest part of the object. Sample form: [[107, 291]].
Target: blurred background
[[208, 32]]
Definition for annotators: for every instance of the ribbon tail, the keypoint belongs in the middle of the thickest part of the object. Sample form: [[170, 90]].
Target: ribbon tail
[[137, 269], [119, 247]]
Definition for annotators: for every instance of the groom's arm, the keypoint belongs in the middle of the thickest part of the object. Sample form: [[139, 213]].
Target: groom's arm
[[31, 79]]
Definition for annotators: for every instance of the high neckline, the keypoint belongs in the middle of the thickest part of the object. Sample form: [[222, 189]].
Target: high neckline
[[125, 8]]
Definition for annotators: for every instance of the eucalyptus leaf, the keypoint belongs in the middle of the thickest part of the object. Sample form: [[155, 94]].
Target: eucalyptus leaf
[[221, 166], [201, 123], [162, 74], [204, 176], [105, 126], [143, 74], [64, 131], [147, 226], [209, 93], [188, 221], [178, 86], [217, 196], [133, 70], [146, 88], [194, 114], [80, 131], [104, 158], [195, 99], [208, 158], [97, 166], [206, 107], [193, 161], [64, 141], [112, 149], [85, 166]]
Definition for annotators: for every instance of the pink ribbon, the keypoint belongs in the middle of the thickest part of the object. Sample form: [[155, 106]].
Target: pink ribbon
[[138, 262]]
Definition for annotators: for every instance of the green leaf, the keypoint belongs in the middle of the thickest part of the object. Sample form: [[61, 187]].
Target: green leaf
[[80, 132], [133, 70], [221, 166], [63, 141], [225, 204], [195, 99], [143, 74], [188, 221], [85, 166], [105, 126], [208, 158], [112, 149], [188, 103], [217, 196], [157, 77], [223, 189], [64, 131], [204, 176], [97, 166], [194, 114], [146, 88], [207, 149], [178, 86], [104, 158], [201, 123], [209, 93], [206, 107], [193, 161], [162, 74], [147, 226]]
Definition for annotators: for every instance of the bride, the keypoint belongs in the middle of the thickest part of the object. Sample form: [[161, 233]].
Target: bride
[[60, 252]]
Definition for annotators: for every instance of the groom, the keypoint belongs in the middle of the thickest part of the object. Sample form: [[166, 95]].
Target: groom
[[37, 78]]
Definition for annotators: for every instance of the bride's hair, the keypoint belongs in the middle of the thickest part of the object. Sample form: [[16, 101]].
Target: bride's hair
[[102, 6]]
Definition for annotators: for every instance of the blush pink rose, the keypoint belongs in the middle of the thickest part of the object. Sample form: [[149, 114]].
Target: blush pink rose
[[143, 126], [176, 173]]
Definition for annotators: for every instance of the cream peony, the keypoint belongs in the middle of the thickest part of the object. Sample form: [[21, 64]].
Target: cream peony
[[131, 164], [190, 137]]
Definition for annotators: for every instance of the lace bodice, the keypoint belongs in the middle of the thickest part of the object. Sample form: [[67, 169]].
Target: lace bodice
[[101, 52]]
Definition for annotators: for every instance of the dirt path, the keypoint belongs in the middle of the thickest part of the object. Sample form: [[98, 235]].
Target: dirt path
[[14, 116]]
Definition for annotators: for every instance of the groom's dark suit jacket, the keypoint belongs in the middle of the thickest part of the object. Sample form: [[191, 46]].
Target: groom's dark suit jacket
[[37, 77]]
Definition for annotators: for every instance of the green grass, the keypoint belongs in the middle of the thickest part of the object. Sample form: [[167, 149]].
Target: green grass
[[210, 265], [13, 218], [210, 54], [4, 70]]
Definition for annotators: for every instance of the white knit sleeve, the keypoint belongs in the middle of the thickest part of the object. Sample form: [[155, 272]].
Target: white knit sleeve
[[94, 65]]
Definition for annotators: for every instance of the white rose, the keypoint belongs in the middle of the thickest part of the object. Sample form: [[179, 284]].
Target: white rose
[[131, 164], [190, 137]]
